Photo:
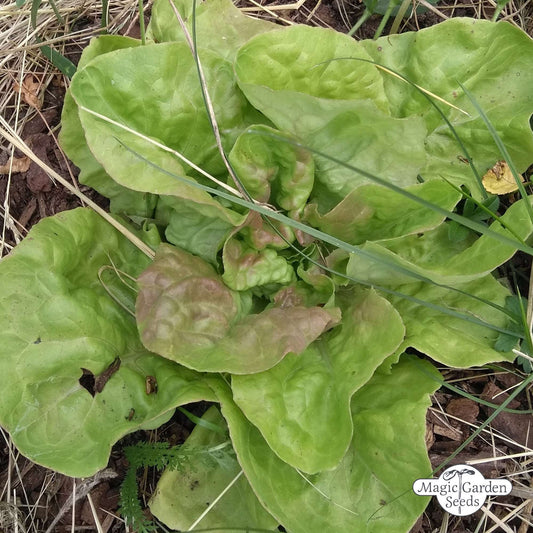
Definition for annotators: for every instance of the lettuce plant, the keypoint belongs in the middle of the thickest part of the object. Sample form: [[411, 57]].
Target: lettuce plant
[[295, 296]]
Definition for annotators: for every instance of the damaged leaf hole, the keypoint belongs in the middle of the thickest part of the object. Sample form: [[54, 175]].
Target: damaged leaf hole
[[94, 384]]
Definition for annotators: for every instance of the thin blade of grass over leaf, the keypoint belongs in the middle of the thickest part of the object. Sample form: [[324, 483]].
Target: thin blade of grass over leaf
[[187, 161], [430, 97], [191, 41], [116, 298], [342, 245], [464, 221], [501, 147], [216, 500]]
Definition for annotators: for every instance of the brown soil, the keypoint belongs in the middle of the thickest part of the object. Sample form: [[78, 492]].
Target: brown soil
[[43, 495]]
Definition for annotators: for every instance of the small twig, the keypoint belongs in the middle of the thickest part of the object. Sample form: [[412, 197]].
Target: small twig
[[496, 520], [73, 519]]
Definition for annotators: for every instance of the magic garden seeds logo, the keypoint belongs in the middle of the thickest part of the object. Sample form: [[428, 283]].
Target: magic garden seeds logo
[[461, 489]]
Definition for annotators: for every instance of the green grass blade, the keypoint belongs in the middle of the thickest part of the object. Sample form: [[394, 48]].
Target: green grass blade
[[437, 108], [59, 61], [36, 4], [472, 224], [141, 22], [500, 6], [501, 147], [338, 243], [404, 6], [56, 11], [201, 422], [105, 14], [362, 19]]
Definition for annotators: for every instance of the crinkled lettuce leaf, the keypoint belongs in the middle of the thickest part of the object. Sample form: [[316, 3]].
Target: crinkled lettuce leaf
[[220, 26], [72, 140], [271, 169], [59, 319], [494, 61], [304, 400], [437, 256], [299, 58], [370, 490], [186, 313], [373, 212], [246, 268]]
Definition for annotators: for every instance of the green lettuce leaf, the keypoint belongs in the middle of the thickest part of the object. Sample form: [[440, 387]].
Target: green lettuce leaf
[[180, 497], [450, 340], [370, 491], [272, 169], [57, 321], [440, 258], [186, 313], [305, 399], [494, 61], [373, 212], [246, 268], [220, 26], [298, 58], [260, 233], [163, 75], [72, 140], [189, 228]]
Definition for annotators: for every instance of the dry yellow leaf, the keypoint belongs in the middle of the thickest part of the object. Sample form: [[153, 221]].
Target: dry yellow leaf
[[20, 164], [500, 180], [30, 91]]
